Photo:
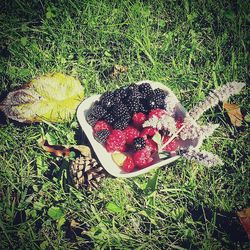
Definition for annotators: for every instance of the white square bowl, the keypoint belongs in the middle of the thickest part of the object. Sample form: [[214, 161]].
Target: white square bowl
[[104, 156]]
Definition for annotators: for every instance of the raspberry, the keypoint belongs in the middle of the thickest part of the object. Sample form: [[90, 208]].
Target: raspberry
[[148, 132], [179, 123], [152, 145], [157, 112], [128, 164], [116, 141], [142, 158], [101, 125], [131, 133], [172, 146], [138, 119]]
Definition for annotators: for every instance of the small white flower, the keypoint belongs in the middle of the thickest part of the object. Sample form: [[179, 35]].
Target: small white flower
[[203, 157], [220, 94], [165, 122], [170, 103]]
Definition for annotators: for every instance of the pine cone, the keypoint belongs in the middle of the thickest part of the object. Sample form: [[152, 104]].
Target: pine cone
[[86, 172]]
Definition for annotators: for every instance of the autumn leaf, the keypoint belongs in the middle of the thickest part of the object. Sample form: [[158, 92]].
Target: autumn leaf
[[65, 150], [234, 113], [53, 98], [244, 216], [117, 70]]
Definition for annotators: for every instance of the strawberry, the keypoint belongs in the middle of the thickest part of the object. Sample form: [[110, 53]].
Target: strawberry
[[138, 119], [148, 132], [128, 164], [142, 158], [172, 146], [116, 141], [157, 112], [131, 133], [101, 125]]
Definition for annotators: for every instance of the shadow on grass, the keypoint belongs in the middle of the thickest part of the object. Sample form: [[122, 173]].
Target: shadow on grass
[[225, 223]]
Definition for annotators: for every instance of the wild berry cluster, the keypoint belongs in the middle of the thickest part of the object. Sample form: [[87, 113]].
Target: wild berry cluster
[[118, 107], [117, 119]]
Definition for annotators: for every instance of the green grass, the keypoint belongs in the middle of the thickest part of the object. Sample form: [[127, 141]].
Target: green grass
[[192, 47]]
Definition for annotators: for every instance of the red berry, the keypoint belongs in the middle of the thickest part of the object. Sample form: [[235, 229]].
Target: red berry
[[131, 133], [152, 145], [138, 119], [142, 158], [148, 132], [157, 112], [116, 141], [101, 125], [179, 123], [172, 146], [128, 164]]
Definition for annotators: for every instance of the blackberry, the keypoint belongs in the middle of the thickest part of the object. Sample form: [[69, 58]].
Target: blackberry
[[102, 135], [119, 110], [133, 106], [139, 143], [123, 93], [122, 123], [109, 118], [98, 111], [117, 97], [160, 92], [133, 102], [133, 88], [107, 99], [91, 119], [156, 102], [146, 90], [142, 108]]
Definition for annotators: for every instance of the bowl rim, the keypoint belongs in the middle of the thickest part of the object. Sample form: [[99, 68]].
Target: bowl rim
[[105, 157]]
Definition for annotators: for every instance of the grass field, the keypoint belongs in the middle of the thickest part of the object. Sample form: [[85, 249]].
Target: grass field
[[190, 46]]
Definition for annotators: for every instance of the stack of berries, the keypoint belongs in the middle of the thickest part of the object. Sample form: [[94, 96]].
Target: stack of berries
[[118, 120]]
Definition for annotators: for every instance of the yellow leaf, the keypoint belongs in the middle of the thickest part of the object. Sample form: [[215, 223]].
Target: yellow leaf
[[53, 98], [234, 113]]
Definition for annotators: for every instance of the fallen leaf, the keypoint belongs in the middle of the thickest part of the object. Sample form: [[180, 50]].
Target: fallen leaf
[[117, 70], [74, 224], [234, 113], [244, 216], [53, 98], [65, 150]]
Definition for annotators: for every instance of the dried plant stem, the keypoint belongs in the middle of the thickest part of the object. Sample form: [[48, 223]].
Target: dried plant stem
[[214, 97], [172, 137], [220, 94]]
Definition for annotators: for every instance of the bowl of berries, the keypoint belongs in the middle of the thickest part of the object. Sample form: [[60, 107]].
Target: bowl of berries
[[133, 129]]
